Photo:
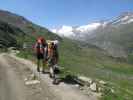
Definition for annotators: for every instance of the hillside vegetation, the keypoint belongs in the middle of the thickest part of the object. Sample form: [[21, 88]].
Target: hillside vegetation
[[95, 63]]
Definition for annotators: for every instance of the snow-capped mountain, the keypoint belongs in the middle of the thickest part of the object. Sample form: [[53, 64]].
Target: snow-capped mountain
[[88, 28], [69, 31], [80, 32], [115, 35]]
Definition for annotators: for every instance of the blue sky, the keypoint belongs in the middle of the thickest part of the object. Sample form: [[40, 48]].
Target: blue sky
[[55, 13]]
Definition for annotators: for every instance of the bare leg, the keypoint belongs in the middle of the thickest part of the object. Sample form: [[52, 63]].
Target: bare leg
[[51, 72]]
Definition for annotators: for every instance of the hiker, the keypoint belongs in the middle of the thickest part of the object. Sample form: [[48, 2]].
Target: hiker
[[53, 57], [41, 53]]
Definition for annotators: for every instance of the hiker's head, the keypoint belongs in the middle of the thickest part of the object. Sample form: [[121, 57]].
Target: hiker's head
[[50, 44], [41, 40]]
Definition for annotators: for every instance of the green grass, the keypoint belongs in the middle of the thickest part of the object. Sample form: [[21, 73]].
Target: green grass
[[27, 54]]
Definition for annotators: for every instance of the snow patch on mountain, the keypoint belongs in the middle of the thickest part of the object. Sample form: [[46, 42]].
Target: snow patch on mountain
[[131, 20], [81, 32], [69, 31], [89, 27]]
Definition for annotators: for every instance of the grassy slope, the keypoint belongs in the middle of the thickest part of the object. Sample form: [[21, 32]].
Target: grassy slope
[[94, 63]]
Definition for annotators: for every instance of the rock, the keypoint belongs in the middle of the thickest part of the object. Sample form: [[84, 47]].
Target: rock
[[102, 82], [93, 87], [112, 90], [32, 82], [85, 79], [81, 88], [100, 89], [77, 85]]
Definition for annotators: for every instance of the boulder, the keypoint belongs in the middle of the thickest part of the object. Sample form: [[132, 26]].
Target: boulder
[[32, 82], [93, 87], [102, 82], [85, 79]]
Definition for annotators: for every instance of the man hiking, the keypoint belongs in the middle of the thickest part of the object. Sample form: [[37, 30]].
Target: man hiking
[[41, 53]]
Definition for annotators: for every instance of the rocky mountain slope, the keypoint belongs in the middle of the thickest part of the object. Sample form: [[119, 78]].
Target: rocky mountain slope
[[116, 37], [15, 30], [8, 34]]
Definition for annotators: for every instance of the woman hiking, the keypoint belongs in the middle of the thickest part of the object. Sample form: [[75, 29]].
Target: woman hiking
[[41, 53]]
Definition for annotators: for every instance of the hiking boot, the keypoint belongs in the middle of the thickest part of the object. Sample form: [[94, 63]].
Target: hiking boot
[[56, 81], [43, 71]]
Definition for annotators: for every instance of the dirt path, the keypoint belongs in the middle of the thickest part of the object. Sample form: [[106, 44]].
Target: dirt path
[[9, 84], [15, 71]]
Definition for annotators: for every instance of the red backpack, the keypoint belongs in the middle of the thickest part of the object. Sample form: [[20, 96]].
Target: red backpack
[[40, 45]]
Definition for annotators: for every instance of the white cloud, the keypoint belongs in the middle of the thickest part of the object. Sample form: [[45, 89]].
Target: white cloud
[[64, 31], [54, 30]]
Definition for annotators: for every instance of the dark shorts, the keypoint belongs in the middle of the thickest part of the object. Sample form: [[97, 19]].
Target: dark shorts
[[40, 56]]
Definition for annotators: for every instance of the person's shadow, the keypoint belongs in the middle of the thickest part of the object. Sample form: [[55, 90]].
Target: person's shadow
[[68, 79]]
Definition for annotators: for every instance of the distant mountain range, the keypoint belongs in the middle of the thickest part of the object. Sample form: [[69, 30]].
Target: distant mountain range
[[115, 35], [68, 31]]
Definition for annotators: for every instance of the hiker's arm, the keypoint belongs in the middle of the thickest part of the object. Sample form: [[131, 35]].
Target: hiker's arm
[[34, 47]]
